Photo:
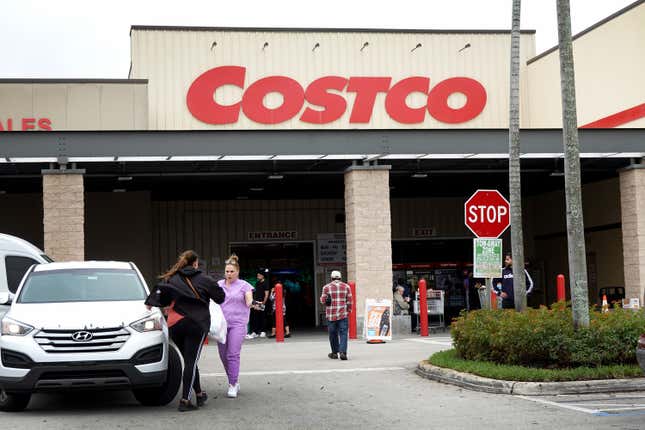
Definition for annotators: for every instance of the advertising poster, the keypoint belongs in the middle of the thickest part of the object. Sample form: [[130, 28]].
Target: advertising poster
[[487, 258], [378, 319]]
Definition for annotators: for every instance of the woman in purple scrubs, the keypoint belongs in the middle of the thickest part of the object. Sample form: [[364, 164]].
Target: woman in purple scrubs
[[239, 297]]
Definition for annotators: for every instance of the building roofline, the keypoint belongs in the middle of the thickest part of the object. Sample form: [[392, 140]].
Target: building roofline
[[317, 30], [72, 81], [590, 29]]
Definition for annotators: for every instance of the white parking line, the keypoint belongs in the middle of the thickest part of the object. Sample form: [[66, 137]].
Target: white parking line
[[438, 341], [561, 405], [309, 372]]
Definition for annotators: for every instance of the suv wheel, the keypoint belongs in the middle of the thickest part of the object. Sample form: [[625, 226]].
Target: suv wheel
[[161, 396], [14, 402]]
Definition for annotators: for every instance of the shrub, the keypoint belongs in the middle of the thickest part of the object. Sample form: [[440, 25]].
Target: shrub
[[546, 338]]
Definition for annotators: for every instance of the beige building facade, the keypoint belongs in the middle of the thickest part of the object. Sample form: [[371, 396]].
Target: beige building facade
[[316, 150]]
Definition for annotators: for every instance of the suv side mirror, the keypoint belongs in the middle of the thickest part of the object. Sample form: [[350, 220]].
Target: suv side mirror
[[6, 298]]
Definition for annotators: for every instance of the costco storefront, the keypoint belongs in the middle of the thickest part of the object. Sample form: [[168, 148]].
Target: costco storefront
[[316, 150]]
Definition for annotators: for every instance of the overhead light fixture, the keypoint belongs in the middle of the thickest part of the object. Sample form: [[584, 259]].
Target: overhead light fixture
[[195, 158], [142, 158], [118, 190], [556, 173], [33, 159], [419, 175], [246, 157], [276, 176], [91, 159], [256, 189], [124, 178]]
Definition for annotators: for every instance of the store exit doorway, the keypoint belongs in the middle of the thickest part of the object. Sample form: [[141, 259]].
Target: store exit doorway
[[292, 265]]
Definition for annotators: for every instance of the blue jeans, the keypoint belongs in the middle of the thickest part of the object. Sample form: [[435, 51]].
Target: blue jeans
[[338, 335]]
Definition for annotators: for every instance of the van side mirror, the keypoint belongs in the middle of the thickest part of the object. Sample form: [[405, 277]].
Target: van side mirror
[[6, 298]]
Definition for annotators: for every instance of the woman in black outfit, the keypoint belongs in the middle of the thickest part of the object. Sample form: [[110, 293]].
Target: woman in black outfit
[[186, 292]]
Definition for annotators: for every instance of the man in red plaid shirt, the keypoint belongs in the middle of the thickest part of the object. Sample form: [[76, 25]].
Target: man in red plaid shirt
[[338, 298]]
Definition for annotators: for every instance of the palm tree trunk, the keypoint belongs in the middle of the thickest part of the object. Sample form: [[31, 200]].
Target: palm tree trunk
[[572, 181], [514, 173]]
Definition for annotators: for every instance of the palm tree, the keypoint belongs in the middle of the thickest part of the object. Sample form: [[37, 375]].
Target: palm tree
[[575, 223], [514, 174]]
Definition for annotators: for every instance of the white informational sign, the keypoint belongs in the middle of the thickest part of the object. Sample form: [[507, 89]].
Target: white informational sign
[[332, 249], [487, 258], [378, 319]]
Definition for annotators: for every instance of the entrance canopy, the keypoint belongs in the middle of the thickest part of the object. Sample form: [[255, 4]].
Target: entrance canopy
[[366, 145]]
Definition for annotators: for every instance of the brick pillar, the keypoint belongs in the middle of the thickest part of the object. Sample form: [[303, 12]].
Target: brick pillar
[[632, 209], [64, 214], [368, 230]]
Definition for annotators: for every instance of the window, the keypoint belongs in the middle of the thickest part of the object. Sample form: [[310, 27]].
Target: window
[[82, 285], [16, 269]]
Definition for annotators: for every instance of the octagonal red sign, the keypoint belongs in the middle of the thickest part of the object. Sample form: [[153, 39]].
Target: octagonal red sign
[[487, 213]]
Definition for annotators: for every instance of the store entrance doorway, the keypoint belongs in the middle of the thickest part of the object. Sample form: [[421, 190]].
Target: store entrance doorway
[[292, 265]]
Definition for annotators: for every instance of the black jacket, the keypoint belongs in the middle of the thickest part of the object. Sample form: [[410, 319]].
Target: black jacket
[[507, 286], [186, 303]]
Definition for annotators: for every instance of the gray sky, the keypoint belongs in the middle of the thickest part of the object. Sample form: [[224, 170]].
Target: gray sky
[[90, 38]]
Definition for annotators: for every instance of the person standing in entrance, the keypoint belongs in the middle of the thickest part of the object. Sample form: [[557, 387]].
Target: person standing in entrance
[[260, 297], [337, 297], [504, 287], [239, 298]]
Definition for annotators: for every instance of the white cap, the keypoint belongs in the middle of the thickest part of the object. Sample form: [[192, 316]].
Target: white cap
[[335, 274]]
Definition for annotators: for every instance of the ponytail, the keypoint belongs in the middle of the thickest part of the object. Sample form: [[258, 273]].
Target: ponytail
[[186, 258]]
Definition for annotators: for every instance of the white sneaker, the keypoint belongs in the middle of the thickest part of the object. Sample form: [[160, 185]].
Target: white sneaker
[[251, 336], [233, 390], [263, 334]]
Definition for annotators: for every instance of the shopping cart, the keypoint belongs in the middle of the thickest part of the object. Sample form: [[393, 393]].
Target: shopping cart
[[435, 309]]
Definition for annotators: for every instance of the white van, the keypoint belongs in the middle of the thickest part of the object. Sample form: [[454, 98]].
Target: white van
[[16, 257]]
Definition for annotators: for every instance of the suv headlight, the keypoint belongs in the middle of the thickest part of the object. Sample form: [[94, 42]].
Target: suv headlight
[[15, 328], [149, 323]]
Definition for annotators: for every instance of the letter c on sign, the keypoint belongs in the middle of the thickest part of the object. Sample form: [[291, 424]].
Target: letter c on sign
[[253, 100], [395, 100], [201, 95], [438, 100]]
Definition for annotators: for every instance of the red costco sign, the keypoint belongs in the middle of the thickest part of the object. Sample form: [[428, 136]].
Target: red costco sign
[[487, 213], [325, 105]]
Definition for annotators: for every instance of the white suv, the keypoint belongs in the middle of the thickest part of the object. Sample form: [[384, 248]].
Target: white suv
[[85, 326]]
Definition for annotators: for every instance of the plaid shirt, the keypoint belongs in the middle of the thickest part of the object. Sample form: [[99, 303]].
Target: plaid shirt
[[341, 300]]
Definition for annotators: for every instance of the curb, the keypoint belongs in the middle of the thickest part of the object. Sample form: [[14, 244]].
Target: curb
[[497, 386]]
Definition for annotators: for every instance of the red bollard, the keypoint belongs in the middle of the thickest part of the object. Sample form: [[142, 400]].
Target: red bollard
[[352, 315], [560, 288], [279, 318], [493, 300], [423, 307]]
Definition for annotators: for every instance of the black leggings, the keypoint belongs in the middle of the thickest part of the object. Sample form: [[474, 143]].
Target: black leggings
[[189, 338]]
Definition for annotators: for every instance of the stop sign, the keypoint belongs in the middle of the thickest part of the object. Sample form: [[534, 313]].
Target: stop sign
[[487, 213]]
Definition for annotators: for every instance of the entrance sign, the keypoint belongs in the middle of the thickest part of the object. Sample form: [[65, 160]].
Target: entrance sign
[[378, 319], [325, 105], [487, 213], [273, 235], [487, 258]]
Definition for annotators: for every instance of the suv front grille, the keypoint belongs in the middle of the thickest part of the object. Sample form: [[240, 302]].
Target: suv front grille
[[62, 341]]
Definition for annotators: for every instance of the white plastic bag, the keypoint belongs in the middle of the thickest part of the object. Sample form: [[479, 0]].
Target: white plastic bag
[[218, 323]]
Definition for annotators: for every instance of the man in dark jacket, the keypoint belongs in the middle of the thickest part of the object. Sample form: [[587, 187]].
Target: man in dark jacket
[[504, 287]]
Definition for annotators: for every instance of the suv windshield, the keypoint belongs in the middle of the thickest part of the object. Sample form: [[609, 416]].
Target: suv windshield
[[82, 285]]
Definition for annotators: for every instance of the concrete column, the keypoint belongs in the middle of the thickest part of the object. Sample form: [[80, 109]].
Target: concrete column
[[64, 214], [368, 230], [632, 207]]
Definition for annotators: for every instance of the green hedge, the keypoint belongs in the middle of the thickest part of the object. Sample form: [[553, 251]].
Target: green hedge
[[451, 360], [545, 338]]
